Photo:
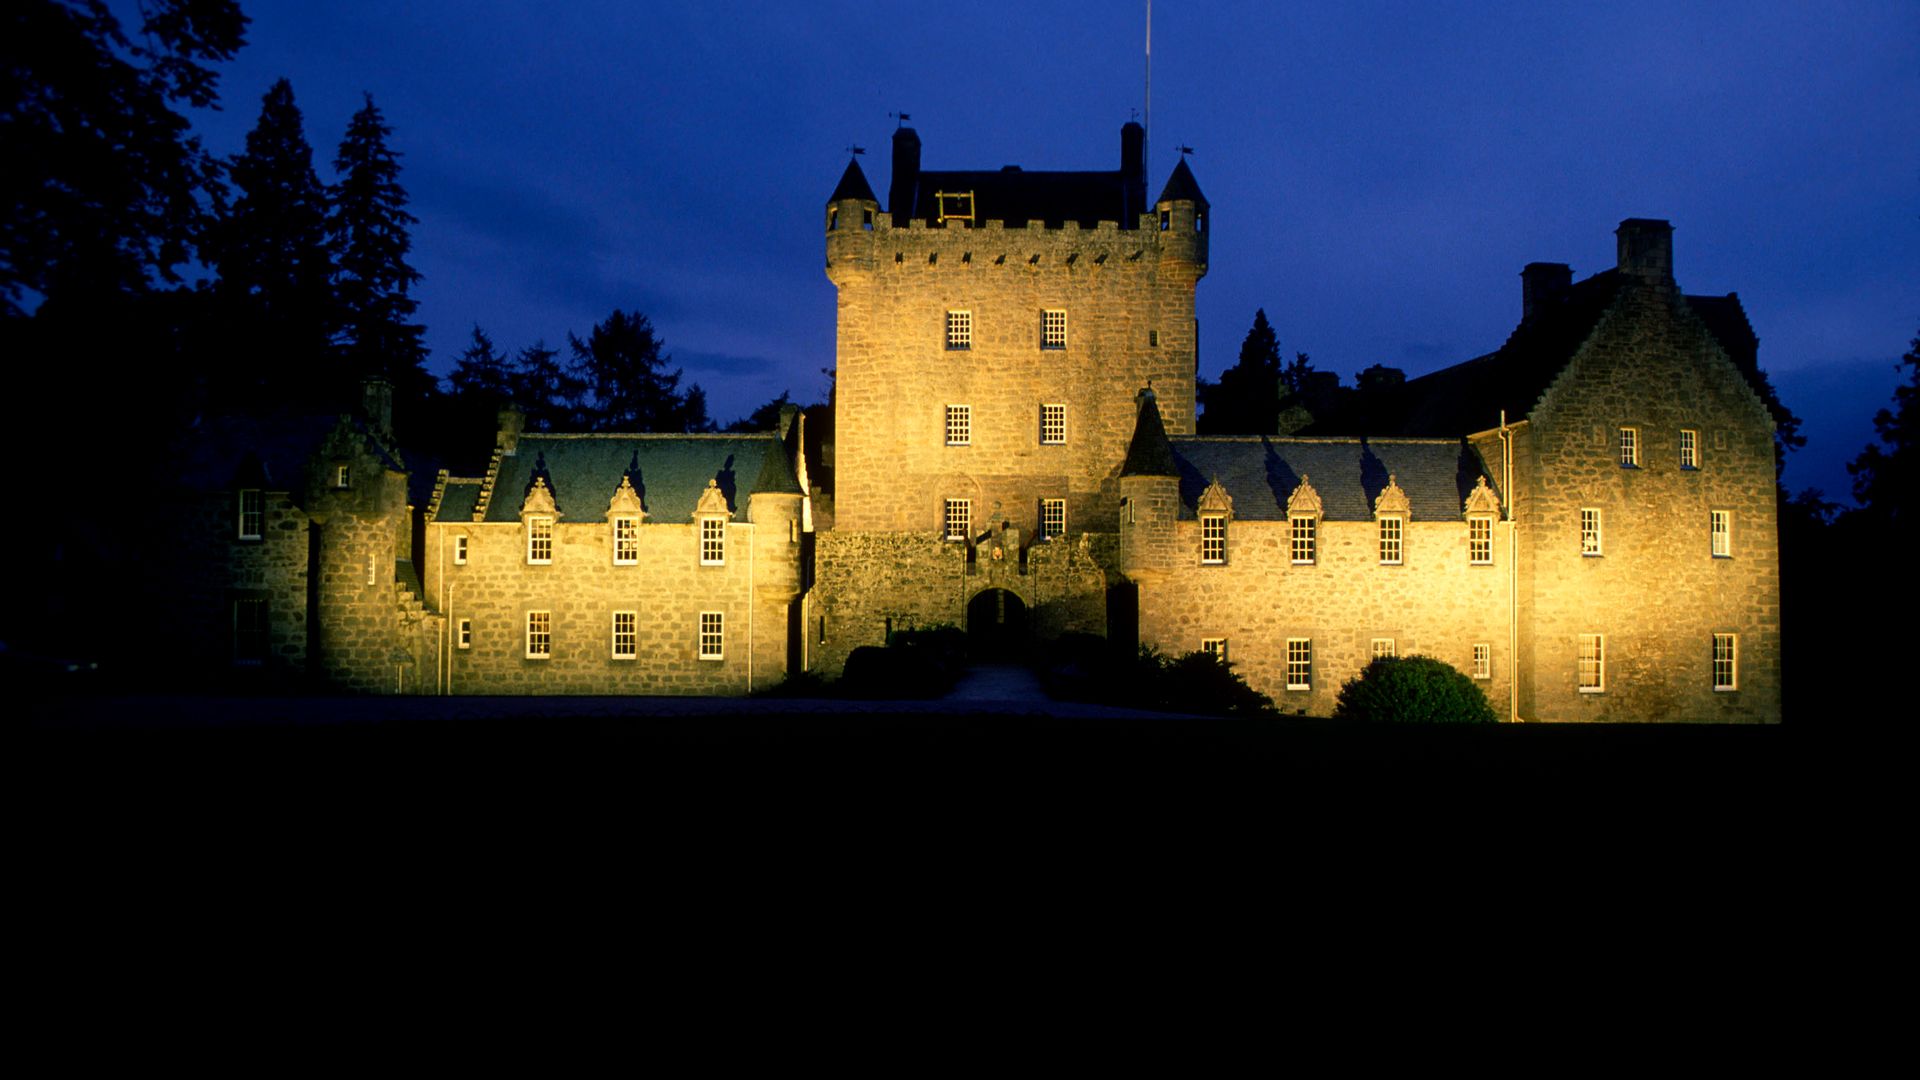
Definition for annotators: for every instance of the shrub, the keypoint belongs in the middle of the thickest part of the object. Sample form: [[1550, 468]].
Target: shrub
[[1083, 667], [1413, 690]]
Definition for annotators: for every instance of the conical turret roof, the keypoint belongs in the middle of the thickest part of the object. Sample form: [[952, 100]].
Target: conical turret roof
[[1151, 452], [1182, 185], [853, 184]]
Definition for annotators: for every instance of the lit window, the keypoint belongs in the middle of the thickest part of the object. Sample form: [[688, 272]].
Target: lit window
[[539, 635], [712, 635], [1200, 221], [1721, 525], [1304, 528], [1166, 220], [1053, 328], [1480, 540], [1589, 531], [250, 638], [1053, 518], [1593, 663], [1689, 449], [342, 476], [253, 513], [1482, 660], [1299, 663], [1053, 424], [1726, 662], [833, 218], [959, 519], [464, 638], [626, 541], [1215, 647], [1213, 539], [1153, 339], [959, 425], [959, 329], [1629, 448], [539, 540], [1383, 648], [459, 551], [626, 638], [1390, 541], [713, 541]]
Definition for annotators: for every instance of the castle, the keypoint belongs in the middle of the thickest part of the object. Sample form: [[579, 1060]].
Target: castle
[[1583, 520]]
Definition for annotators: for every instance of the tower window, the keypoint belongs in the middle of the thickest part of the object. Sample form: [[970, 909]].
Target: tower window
[[1720, 523], [343, 476], [1166, 220], [1053, 328], [1629, 448], [1053, 424], [959, 425], [959, 329], [1053, 518], [959, 519], [253, 512], [1589, 531], [833, 218], [1726, 662], [1689, 449]]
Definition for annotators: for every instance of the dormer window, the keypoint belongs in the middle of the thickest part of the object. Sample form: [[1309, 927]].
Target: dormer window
[[713, 541], [626, 541], [252, 513], [1304, 538], [1390, 539], [539, 540]]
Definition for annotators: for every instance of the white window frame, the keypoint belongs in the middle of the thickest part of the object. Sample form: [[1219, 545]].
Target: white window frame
[[1590, 673], [463, 634], [959, 425], [1392, 539], [1482, 660], [1720, 533], [1053, 518], [1383, 648], [1629, 448], [959, 329], [343, 476], [1213, 539], [1480, 540], [713, 541], [1053, 425], [251, 509], [1215, 647], [1303, 538], [1053, 328], [624, 644], [1689, 448], [460, 550], [713, 635], [1726, 662], [539, 540], [539, 635], [1299, 663], [957, 512], [626, 540], [1590, 532]]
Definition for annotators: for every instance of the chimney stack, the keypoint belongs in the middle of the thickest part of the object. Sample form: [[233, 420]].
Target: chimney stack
[[376, 398], [1646, 249], [1542, 285], [904, 188], [512, 423], [1133, 173]]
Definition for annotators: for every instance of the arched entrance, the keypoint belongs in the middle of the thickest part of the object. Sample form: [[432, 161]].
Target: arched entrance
[[996, 625]]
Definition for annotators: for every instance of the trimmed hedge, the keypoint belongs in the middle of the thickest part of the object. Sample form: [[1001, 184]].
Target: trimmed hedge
[[1413, 690]]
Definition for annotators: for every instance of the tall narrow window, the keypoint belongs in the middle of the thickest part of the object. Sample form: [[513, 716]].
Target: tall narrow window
[[1053, 518], [1390, 540], [539, 635], [1166, 220], [959, 425], [626, 541], [253, 513], [1053, 328], [1215, 647], [712, 635], [1299, 663], [1593, 663], [342, 476], [1629, 448], [539, 540], [1726, 662], [1720, 523], [1383, 648], [463, 638], [1053, 424], [1482, 660], [1480, 540], [833, 218], [626, 637], [459, 551], [1590, 531], [250, 637], [959, 329], [1213, 539], [1305, 529], [1689, 448], [713, 541], [959, 517]]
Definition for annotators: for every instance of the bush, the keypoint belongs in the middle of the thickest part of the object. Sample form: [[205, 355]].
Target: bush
[[914, 664], [1413, 690], [1084, 667]]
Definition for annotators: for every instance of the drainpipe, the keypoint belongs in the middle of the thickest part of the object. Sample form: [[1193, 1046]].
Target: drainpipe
[[443, 671], [751, 581], [447, 631], [1513, 573]]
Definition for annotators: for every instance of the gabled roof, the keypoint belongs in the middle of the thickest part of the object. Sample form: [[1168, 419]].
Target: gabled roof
[[270, 451], [668, 471], [1261, 473], [1182, 185], [853, 184]]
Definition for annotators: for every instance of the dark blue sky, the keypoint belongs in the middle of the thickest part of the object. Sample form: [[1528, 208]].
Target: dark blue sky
[[1379, 172]]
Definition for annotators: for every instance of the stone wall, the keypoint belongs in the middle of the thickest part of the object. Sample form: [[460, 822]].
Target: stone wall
[[204, 567]]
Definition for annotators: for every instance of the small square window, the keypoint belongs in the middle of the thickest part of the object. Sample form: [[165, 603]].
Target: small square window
[[1303, 544], [1726, 662], [463, 637], [1053, 518], [1589, 531], [1390, 540], [712, 635], [1213, 539], [1482, 660], [959, 425], [626, 636], [1689, 449], [1720, 523], [253, 513], [1053, 328], [713, 541], [1215, 647], [539, 635], [959, 519], [539, 541], [1383, 648], [1299, 663], [1480, 541], [1053, 424], [459, 551], [1629, 448], [1593, 663], [626, 541], [959, 329]]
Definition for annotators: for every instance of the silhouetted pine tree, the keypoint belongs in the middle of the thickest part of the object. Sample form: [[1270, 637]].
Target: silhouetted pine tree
[[1883, 479], [368, 229], [546, 390], [628, 385], [1246, 400], [764, 418]]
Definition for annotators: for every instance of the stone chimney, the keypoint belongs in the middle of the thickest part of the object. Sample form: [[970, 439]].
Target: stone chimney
[[512, 423], [1646, 250], [905, 185], [1133, 173], [1541, 286], [376, 399]]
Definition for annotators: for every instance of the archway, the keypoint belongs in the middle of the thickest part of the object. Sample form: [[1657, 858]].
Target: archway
[[996, 625]]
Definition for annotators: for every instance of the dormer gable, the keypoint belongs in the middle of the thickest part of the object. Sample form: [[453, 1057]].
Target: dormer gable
[[1391, 500], [713, 502], [626, 501], [1305, 501], [539, 501], [1482, 500], [1215, 500]]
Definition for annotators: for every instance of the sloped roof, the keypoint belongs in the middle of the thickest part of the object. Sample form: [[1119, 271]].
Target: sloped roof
[[1182, 185], [1149, 453], [668, 471], [1260, 472], [270, 451], [462, 494], [1016, 196], [853, 184]]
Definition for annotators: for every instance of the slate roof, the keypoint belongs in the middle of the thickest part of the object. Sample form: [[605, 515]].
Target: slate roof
[[853, 184], [1148, 452], [459, 499], [1016, 196], [269, 452], [1261, 472], [669, 472], [1182, 185]]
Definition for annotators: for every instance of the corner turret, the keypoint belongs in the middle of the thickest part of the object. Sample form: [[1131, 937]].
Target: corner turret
[[1180, 213], [851, 210], [1149, 494]]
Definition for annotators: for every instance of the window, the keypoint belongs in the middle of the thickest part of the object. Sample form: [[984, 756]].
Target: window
[[1299, 663], [866, 220], [1200, 221], [626, 638], [959, 329], [1304, 528], [959, 425], [1213, 539], [1390, 541], [959, 519], [250, 638], [1053, 518], [1593, 663], [539, 540], [1589, 531], [1166, 220], [342, 476], [539, 635], [713, 541], [1383, 648], [373, 567], [1721, 525], [1053, 328], [463, 637], [1153, 339], [1689, 448], [712, 635], [1053, 424], [1215, 647], [1629, 448], [626, 541], [1480, 541], [252, 513], [459, 551], [1726, 662], [833, 218], [1482, 660]]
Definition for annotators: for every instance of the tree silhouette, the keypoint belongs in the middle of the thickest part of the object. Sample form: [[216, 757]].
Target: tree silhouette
[[1883, 475], [368, 229], [628, 385], [1246, 400], [546, 390]]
